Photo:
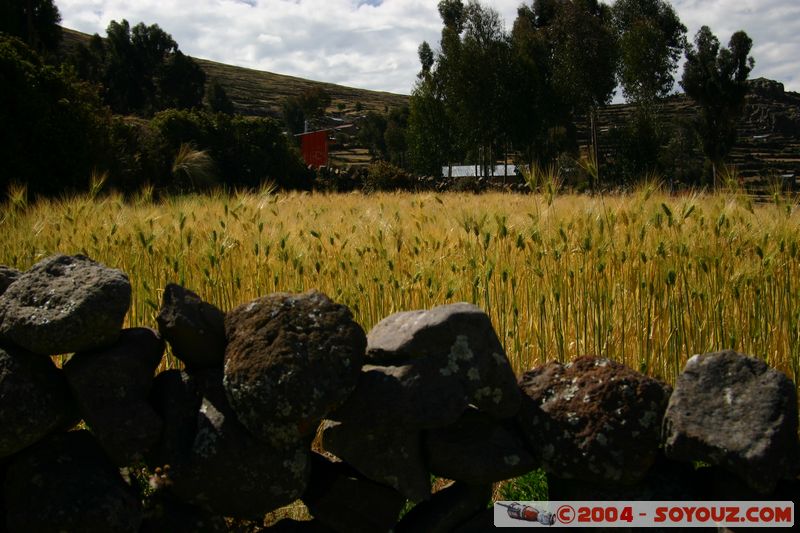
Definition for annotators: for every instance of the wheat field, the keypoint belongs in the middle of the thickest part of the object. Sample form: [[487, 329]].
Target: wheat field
[[643, 278]]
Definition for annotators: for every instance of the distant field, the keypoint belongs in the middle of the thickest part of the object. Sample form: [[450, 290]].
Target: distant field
[[646, 279]]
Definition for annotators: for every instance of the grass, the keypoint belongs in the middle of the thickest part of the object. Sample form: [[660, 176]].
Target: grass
[[645, 279]]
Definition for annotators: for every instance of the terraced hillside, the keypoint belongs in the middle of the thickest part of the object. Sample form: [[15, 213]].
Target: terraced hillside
[[255, 92], [768, 146], [259, 93]]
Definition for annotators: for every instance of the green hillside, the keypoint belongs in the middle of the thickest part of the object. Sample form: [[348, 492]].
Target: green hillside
[[260, 93]]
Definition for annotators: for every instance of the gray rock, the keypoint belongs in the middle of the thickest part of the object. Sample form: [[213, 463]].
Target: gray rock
[[413, 396], [65, 304], [193, 328], [461, 341], [112, 385], [35, 399], [230, 473], [342, 499], [8, 276], [447, 509], [477, 449], [733, 411], [593, 419], [290, 360], [66, 483], [387, 454]]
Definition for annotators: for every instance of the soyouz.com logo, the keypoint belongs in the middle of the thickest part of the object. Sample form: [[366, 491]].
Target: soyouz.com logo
[[678, 514]]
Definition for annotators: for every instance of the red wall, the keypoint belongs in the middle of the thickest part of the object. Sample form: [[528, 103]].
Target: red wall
[[315, 148]]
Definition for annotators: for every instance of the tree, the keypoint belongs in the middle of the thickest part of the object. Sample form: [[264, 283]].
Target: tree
[[217, 98], [55, 129], [716, 79], [537, 106], [426, 59], [180, 83], [577, 58], [395, 136], [36, 22], [314, 102], [141, 69], [429, 137], [293, 116], [371, 131], [652, 40], [483, 106], [308, 106]]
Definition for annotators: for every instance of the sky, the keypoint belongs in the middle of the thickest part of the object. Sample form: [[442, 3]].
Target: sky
[[372, 44]]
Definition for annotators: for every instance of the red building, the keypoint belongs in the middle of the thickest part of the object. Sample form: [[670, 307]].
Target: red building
[[314, 146]]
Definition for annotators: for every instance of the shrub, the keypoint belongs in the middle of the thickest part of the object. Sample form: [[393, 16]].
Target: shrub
[[383, 176]]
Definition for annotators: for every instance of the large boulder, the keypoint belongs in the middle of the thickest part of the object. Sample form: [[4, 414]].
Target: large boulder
[[389, 455], [593, 419], [65, 304], [460, 342], [8, 276], [193, 328], [225, 469], [477, 449], [733, 411], [66, 483], [413, 396], [165, 513], [290, 360], [342, 499], [176, 397], [35, 399], [447, 509], [112, 385], [666, 480]]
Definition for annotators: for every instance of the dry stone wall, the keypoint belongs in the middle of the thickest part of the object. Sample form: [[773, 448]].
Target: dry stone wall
[[286, 398]]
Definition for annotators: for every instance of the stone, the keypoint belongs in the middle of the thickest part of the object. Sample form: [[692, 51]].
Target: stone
[[111, 386], [290, 360], [592, 420], [66, 483], [461, 342], [342, 499], [165, 513], [665, 481], [477, 449], [65, 304], [8, 276], [413, 396], [193, 328], [390, 455], [229, 472], [447, 509], [176, 397], [35, 399], [733, 411], [482, 522]]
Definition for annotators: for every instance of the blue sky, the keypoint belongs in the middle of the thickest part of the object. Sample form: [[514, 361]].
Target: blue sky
[[373, 43]]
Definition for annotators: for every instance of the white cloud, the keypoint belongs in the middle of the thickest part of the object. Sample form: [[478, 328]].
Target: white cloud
[[373, 43]]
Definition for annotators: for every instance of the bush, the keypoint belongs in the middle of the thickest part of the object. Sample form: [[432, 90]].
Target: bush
[[383, 176]]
